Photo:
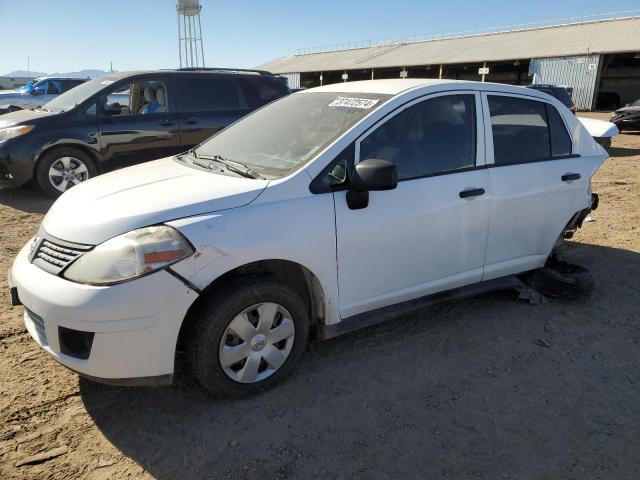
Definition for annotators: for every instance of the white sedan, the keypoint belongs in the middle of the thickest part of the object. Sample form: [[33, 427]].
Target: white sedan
[[330, 209]]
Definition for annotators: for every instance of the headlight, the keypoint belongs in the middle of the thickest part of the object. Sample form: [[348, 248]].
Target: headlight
[[129, 256], [13, 132]]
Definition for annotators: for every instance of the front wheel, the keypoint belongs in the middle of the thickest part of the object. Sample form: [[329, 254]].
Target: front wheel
[[247, 336], [61, 169]]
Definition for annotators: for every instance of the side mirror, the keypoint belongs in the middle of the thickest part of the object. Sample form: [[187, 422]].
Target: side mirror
[[38, 91], [112, 108], [371, 175]]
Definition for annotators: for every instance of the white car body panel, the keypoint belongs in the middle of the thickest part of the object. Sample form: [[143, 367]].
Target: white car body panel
[[522, 196], [133, 338], [599, 128], [361, 259], [141, 195]]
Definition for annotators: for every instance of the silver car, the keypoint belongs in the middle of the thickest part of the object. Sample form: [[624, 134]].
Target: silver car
[[36, 93]]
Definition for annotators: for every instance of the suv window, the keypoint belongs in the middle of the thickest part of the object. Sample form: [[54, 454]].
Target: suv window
[[520, 130], [260, 90], [207, 93], [141, 97], [69, 84], [561, 144], [434, 136]]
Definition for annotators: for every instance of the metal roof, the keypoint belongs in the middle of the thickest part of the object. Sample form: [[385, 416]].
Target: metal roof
[[604, 36]]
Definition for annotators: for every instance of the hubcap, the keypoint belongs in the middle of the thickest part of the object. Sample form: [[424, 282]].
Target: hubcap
[[66, 172], [257, 342]]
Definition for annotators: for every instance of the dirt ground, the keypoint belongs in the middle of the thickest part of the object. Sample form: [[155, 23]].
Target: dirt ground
[[486, 388]]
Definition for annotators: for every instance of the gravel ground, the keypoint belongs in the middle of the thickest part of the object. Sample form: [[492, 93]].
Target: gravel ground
[[485, 388]]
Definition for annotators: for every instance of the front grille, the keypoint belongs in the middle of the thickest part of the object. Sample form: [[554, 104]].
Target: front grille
[[53, 256], [38, 324]]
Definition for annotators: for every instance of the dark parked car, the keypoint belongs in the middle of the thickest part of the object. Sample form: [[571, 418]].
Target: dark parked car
[[124, 118], [627, 118], [608, 101], [561, 92]]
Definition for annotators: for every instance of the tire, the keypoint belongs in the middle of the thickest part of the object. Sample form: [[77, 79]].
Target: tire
[[79, 168], [212, 334], [562, 280]]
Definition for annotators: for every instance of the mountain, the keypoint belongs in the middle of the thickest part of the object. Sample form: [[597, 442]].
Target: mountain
[[81, 74]]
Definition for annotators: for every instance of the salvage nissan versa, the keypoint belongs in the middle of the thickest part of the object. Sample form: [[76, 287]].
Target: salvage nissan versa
[[329, 209]]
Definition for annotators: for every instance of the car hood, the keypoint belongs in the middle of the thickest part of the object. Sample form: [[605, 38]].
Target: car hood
[[9, 94], [627, 110], [142, 195], [599, 128], [22, 116]]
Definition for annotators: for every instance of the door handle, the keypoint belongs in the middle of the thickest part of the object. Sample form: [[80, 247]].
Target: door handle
[[191, 121], [570, 176], [474, 192], [167, 123]]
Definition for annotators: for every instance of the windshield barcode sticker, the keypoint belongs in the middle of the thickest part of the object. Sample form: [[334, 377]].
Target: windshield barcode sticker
[[353, 102]]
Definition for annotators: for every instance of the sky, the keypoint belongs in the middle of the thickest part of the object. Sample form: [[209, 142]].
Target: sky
[[66, 35]]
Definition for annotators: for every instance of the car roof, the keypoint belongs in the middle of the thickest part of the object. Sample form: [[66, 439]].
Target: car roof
[[397, 86], [215, 71], [60, 78]]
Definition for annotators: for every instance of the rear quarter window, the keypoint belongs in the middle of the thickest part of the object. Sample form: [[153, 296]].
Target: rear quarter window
[[561, 144]]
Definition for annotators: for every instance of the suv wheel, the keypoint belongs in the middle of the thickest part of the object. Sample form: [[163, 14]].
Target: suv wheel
[[247, 337], [63, 168]]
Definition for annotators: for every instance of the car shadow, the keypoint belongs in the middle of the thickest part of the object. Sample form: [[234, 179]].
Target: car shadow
[[486, 385], [618, 152], [27, 199]]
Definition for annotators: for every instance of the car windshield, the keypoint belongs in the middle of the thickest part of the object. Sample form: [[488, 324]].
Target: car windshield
[[78, 94], [635, 104], [281, 137]]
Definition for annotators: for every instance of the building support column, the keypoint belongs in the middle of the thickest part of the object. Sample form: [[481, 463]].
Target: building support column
[[372, 74], [440, 74], [484, 65]]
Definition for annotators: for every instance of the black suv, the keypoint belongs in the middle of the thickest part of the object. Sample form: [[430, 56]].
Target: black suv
[[125, 118], [561, 92]]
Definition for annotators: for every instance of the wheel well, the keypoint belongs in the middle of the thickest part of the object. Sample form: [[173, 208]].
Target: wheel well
[[289, 273], [82, 148]]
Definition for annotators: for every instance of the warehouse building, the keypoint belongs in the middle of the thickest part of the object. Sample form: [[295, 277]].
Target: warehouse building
[[599, 59]]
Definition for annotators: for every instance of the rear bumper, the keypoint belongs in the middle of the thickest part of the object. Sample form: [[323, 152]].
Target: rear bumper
[[133, 326]]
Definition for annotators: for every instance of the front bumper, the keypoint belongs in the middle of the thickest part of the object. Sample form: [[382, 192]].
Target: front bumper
[[17, 161], [624, 123], [135, 324]]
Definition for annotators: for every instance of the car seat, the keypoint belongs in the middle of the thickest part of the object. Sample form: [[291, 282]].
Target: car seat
[[152, 104], [161, 96]]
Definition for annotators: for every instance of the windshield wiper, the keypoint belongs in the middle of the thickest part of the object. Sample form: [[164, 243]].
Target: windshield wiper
[[195, 159], [237, 167]]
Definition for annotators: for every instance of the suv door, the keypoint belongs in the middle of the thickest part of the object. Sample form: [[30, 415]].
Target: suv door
[[146, 128], [207, 103], [537, 183], [429, 234]]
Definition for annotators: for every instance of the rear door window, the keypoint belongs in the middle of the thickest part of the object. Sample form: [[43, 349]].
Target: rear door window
[[520, 130], [206, 93]]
